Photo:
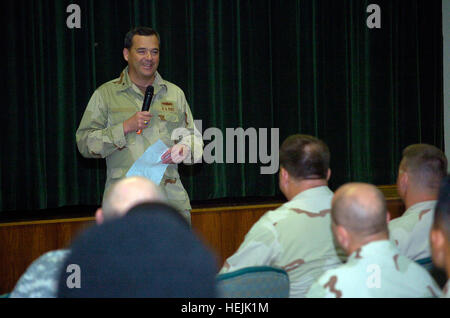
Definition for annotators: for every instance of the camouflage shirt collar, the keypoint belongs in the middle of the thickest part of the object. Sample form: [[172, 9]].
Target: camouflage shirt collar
[[420, 206], [373, 248], [125, 82]]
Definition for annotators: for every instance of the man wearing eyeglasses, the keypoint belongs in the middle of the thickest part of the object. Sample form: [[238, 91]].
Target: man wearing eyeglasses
[[114, 115]]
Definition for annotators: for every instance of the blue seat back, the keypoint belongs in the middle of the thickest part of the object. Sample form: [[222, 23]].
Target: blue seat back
[[426, 263], [254, 282]]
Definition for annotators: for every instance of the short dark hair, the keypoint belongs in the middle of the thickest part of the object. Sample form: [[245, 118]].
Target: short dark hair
[[146, 31], [305, 157], [442, 209], [427, 163]]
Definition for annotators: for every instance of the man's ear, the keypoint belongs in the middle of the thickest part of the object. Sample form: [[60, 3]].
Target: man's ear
[[342, 236], [328, 174], [402, 183], [388, 217], [99, 218], [437, 242], [284, 174], [125, 54], [283, 177], [437, 237]]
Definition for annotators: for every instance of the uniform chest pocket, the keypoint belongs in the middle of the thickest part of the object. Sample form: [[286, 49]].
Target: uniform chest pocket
[[118, 115], [169, 116], [168, 112]]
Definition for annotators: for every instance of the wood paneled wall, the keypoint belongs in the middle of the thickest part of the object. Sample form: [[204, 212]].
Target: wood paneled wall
[[23, 242], [222, 229]]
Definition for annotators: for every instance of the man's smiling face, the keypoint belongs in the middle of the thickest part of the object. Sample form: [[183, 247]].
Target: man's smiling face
[[143, 58]]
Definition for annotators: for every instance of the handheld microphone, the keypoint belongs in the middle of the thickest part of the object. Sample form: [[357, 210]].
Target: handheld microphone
[[147, 101]]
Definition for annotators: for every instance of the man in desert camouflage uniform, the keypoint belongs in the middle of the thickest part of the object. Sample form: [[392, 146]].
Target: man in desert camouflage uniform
[[113, 116], [440, 234], [420, 173], [297, 235], [375, 267]]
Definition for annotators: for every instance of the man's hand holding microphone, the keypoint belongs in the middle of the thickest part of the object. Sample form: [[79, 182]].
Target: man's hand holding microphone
[[140, 120]]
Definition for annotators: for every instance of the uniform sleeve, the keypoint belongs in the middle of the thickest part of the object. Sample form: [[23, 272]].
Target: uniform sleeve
[[316, 291], [398, 235], [40, 280], [94, 138], [260, 247], [324, 287], [191, 137]]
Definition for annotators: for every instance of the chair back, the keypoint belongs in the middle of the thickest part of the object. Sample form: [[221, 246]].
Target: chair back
[[426, 263], [254, 282]]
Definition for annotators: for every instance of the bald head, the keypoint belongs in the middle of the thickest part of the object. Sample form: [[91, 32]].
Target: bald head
[[128, 192], [361, 209]]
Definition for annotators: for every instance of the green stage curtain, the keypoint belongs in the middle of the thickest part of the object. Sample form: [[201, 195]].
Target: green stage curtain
[[311, 67]]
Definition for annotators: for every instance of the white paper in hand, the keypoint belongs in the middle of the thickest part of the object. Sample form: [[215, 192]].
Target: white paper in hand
[[149, 165]]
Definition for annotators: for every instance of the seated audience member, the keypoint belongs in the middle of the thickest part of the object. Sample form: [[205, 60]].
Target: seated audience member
[[420, 173], [40, 278], [150, 252], [297, 235], [440, 233], [375, 267]]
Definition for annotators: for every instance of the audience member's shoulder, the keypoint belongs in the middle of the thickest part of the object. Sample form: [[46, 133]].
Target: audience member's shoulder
[[333, 283], [56, 254], [403, 220], [50, 258], [412, 266], [418, 275], [273, 217], [266, 223], [40, 278]]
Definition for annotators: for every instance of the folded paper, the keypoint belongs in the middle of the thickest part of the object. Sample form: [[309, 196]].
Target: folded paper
[[150, 165]]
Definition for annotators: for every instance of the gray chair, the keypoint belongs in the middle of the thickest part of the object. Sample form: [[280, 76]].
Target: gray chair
[[254, 282]]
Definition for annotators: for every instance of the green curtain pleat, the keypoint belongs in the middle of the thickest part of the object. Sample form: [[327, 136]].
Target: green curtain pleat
[[310, 67]]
